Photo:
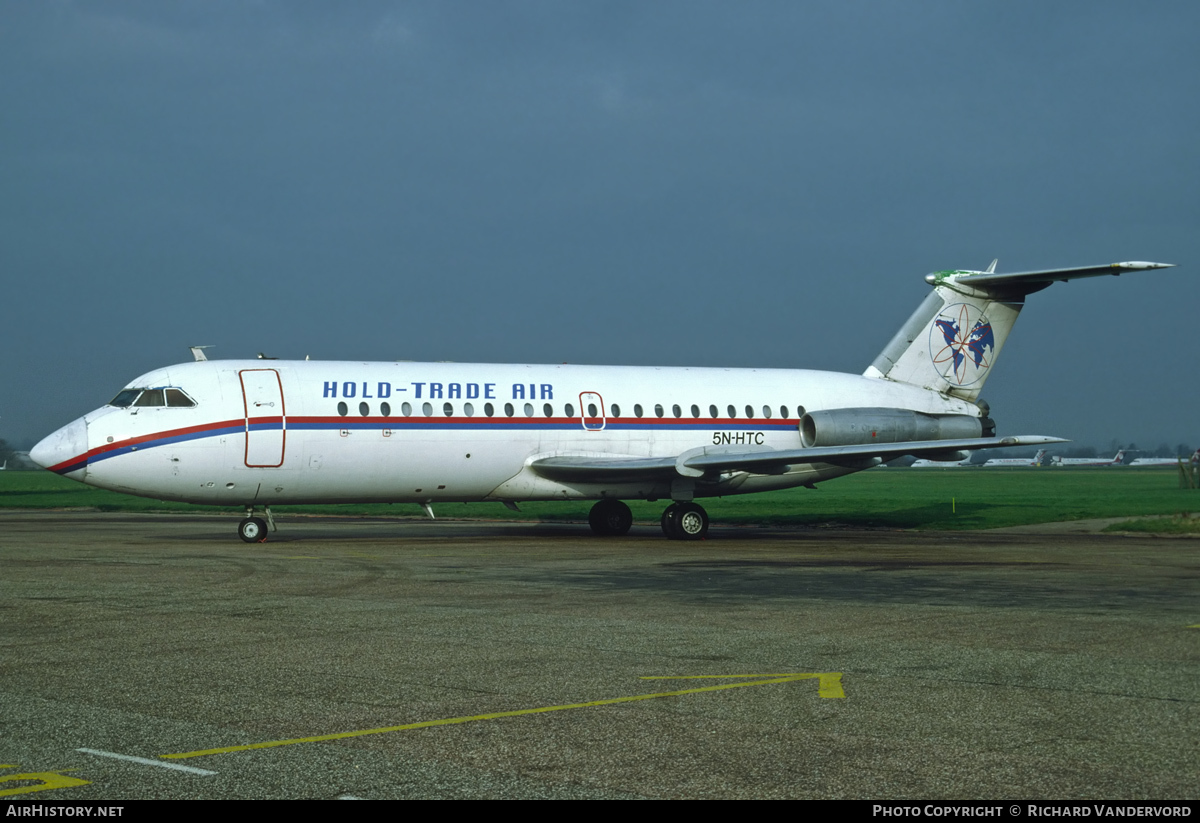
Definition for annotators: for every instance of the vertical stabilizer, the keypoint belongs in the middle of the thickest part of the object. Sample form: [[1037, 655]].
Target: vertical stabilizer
[[952, 340]]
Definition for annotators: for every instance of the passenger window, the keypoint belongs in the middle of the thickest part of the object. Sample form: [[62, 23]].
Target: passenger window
[[749, 410], [767, 412], [615, 409], [783, 412], [343, 409], [508, 409], [178, 400], [637, 409], [385, 409], [406, 408], [569, 410], [548, 410], [732, 411], [529, 410], [695, 410], [658, 410], [799, 411], [448, 409], [489, 409], [675, 410], [427, 409], [364, 409], [469, 409], [592, 410], [712, 411]]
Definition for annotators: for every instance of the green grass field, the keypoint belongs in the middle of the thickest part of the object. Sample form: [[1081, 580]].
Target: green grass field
[[882, 498]]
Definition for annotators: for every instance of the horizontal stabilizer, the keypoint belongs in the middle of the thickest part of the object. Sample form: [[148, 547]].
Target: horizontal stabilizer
[[1028, 281], [765, 461]]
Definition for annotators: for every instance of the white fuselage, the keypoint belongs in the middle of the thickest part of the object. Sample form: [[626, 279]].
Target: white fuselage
[[263, 432], [1084, 462]]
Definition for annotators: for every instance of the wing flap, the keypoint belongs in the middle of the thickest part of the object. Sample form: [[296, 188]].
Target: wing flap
[[601, 469]]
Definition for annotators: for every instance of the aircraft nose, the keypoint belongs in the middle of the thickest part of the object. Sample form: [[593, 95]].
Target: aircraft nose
[[63, 451]]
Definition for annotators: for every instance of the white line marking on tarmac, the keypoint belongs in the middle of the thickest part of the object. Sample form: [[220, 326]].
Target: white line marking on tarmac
[[146, 761]]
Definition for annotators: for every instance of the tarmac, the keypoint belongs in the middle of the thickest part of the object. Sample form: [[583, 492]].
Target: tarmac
[[158, 656]]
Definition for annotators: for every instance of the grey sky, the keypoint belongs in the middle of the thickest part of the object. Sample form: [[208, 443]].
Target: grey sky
[[749, 183]]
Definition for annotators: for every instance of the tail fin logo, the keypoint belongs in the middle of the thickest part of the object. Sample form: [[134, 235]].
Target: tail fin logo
[[961, 339]]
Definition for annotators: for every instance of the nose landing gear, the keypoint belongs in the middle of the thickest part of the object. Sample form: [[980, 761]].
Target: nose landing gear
[[254, 529]]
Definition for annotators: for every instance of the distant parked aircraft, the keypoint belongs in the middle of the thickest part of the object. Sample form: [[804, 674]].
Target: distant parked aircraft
[[941, 464], [1071, 462], [1010, 462], [1149, 462]]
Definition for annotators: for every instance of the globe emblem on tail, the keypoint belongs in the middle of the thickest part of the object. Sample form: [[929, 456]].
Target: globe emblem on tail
[[961, 344]]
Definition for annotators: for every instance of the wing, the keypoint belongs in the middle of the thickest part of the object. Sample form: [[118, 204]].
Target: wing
[[715, 460]]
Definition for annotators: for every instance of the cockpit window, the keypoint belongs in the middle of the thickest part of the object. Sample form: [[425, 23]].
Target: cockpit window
[[150, 397], [174, 398], [125, 398]]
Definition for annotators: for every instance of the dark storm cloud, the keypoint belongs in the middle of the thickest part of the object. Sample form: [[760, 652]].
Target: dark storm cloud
[[676, 183]]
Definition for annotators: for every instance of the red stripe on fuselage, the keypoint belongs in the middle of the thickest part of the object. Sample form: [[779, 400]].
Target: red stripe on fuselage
[[146, 438]]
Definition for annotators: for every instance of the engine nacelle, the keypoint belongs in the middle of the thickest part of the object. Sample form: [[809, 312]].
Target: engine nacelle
[[855, 427]]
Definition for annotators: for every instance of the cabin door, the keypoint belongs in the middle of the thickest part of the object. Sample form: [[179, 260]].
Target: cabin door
[[266, 418], [591, 409]]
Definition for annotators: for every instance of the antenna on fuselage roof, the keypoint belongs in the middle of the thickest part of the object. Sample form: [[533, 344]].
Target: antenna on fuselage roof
[[262, 356], [198, 352]]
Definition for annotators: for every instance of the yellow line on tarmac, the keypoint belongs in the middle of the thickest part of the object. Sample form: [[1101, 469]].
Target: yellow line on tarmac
[[45, 780], [824, 690], [830, 684]]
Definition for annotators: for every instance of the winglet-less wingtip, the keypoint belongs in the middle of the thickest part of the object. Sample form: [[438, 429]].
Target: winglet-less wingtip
[[1142, 265]]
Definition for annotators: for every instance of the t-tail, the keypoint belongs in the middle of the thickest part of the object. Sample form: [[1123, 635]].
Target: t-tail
[[952, 340]]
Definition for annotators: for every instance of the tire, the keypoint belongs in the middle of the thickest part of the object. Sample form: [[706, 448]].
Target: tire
[[670, 521], [253, 530], [691, 522], [610, 518]]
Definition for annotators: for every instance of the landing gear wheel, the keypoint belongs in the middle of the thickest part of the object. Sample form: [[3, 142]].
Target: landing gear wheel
[[670, 521], [610, 518], [691, 522], [685, 521], [253, 530]]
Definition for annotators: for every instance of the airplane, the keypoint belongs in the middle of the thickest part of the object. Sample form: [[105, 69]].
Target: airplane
[[941, 464], [258, 433], [1076, 462], [1154, 462], [1010, 462]]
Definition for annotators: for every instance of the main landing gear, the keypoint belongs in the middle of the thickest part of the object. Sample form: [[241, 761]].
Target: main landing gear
[[681, 521], [254, 529], [610, 518], [685, 521]]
